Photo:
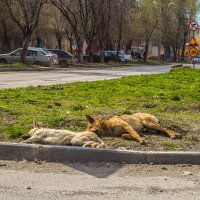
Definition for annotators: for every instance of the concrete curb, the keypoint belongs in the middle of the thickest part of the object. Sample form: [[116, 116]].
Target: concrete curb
[[15, 151]]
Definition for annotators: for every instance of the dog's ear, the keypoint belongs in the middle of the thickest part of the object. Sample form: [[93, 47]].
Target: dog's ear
[[36, 124], [90, 119]]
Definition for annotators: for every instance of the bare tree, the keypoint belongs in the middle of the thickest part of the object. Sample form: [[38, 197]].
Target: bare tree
[[174, 16], [122, 11], [149, 20], [5, 23], [53, 20], [95, 21], [71, 11], [25, 13], [104, 25]]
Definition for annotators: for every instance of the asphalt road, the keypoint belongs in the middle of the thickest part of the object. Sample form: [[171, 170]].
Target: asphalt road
[[33, 78], [46, 181]]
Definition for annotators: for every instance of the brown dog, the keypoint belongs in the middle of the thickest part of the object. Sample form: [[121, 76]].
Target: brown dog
[[128, 126]]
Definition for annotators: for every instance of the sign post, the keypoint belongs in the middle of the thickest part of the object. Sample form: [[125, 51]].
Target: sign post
[[193, 51]]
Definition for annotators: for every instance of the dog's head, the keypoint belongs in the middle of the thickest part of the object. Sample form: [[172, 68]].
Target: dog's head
[[93, 124]]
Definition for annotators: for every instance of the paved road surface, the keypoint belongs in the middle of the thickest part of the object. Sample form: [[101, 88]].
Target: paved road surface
[[23, 79], [46, 181]]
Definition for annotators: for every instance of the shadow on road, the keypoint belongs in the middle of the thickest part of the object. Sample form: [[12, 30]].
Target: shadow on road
[[98, 170]]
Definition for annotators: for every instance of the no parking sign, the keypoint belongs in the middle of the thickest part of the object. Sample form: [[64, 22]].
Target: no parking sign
[[193, 52]]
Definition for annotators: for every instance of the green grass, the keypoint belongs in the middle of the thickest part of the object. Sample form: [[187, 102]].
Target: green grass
[[150, 62], [170, 146], [173, 97], [15, 65]]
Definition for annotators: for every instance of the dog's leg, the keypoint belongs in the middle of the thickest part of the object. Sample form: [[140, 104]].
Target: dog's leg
[[102, 145], [156, 127], [127, 137], [88, 144], [134, 134], [91, 144], [79, 142], [32, 140]]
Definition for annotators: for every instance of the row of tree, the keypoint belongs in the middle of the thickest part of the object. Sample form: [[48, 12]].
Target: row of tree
[[107, 23]]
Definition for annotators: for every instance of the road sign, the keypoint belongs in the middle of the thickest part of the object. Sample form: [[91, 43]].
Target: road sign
[[193, 42], [193, 26], [193, 52]]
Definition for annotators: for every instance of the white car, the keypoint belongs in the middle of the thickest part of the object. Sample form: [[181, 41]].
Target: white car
[[34, 56], [120, 56], [127, 57], [196, 59]]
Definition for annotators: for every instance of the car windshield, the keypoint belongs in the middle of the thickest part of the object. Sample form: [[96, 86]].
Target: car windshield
[[44, 52], [17, 52], [69, 54], [43, 49], [115, 52]]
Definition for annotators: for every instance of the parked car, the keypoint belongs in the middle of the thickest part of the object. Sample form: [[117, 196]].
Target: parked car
[[64, 58], [34, 56], [123, 57], [196, 59], [126, 56], [108, 56], [54, 56]]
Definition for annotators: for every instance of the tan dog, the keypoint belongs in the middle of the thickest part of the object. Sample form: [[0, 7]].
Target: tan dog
[[63, 137], [127, 126]]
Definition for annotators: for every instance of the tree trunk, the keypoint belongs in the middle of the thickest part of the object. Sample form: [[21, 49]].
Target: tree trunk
[[59, 40], [101, 49], [166, 52], [183, 48], [175, 54], [5, 43], [27, 38], [146, 50], [118, 47], [80, 53], [90, 51], [70, 45]]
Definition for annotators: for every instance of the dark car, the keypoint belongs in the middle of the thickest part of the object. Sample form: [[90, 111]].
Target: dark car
[[108, 56], [64, 58]]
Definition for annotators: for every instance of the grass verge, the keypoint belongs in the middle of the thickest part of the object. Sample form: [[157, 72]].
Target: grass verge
[[173, 97], [15, 65]]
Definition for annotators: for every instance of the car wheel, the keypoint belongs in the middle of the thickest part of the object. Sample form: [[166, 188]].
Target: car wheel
[[3, 61], [63, 63], [37, 63]]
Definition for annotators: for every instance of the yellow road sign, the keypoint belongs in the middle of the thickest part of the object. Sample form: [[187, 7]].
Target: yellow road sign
[[193, 52], [193, 42]]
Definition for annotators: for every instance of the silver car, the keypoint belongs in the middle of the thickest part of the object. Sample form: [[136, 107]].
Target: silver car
[[34, 56], [54, 56]]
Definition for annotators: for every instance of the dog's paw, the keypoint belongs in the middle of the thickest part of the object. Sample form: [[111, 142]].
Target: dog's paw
[[176, 136], [101, 146], [143, 142]]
